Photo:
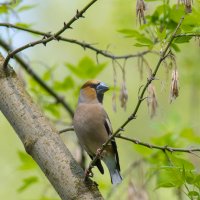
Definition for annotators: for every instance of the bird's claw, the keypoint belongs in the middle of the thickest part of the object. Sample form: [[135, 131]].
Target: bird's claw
[[99, 153], [88, 173]]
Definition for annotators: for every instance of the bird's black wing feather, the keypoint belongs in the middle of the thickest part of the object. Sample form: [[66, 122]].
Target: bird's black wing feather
[[98, 164], [108, 127]]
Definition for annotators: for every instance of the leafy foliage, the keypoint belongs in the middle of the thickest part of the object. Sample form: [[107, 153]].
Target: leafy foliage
[[27, 182], [86, 68]]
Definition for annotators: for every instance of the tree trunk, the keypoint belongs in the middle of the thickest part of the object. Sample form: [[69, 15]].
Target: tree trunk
[[41, 140]]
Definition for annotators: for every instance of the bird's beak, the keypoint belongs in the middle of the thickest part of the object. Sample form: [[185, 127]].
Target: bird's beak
[[101, 88]]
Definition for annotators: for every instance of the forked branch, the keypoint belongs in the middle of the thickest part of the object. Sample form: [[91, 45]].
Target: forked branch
[[140, 99]]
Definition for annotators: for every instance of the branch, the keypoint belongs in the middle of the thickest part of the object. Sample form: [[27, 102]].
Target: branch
[[48, 89], [41, 140], [55, 36], [188, 34], [140, 99], [163, 148], [66, 130], [84, 45], [150, 146]]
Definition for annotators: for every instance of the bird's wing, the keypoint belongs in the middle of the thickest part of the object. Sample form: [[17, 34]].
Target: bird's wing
[[98, 164], [109, 130]]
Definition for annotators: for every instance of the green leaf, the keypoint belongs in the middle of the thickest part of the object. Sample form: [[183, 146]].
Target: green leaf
[[3, 9], [161, 10], [142, 40], [192, 194], [48, 73], [190, 135], [26, 160], [66, 84], [170, 177], [53, 109], [161, 34], [168, 139], [23, 25], [130, 33], [17, 3], [26, 8], [176, 14], [182, 39], [182, 163], [187, 28], [27, 182], [86, 68], [142, 150], [175, 47], [140, 45]]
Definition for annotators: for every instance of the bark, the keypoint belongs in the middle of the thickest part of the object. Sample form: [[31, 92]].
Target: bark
[[41, 140]]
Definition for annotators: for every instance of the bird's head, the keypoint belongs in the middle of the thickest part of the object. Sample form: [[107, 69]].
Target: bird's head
[[92, 92]]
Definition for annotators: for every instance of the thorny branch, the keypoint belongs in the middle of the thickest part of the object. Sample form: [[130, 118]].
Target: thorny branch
[[84, 45], [49, 38], [48, 89], [133, 115], [163, 148], [145, 144]]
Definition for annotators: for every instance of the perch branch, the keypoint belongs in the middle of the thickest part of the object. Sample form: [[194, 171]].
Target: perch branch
[[140, 99], [145, 144], [163, 148], [84, 45], [55, 36], [41, 140]]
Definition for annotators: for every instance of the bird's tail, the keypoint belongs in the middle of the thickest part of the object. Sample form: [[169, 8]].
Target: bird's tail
[[115, 176]]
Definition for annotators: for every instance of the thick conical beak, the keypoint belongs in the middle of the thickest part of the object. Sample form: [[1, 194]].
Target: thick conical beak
[[101, 88]]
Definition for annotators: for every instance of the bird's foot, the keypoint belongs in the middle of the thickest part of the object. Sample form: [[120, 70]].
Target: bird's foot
[[99, 153], [88, 173]]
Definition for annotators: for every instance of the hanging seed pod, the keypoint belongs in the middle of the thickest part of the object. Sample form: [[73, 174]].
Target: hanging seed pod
[[140, 66], [187, 4], [140, 8], [123, 97], [152, 102], [114, 102], [174, 90]]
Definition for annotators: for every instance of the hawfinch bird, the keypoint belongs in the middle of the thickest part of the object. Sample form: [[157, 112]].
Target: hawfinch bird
[[93, 128]]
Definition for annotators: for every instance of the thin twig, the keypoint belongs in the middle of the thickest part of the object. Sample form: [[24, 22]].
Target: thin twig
[[55, 36], [48, 89], [133, 115], [66, 130], [163, 148], [150, 146], [188, 35], [84, 45]]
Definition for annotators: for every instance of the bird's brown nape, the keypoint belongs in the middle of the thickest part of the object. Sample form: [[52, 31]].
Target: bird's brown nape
[[90, 83]]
